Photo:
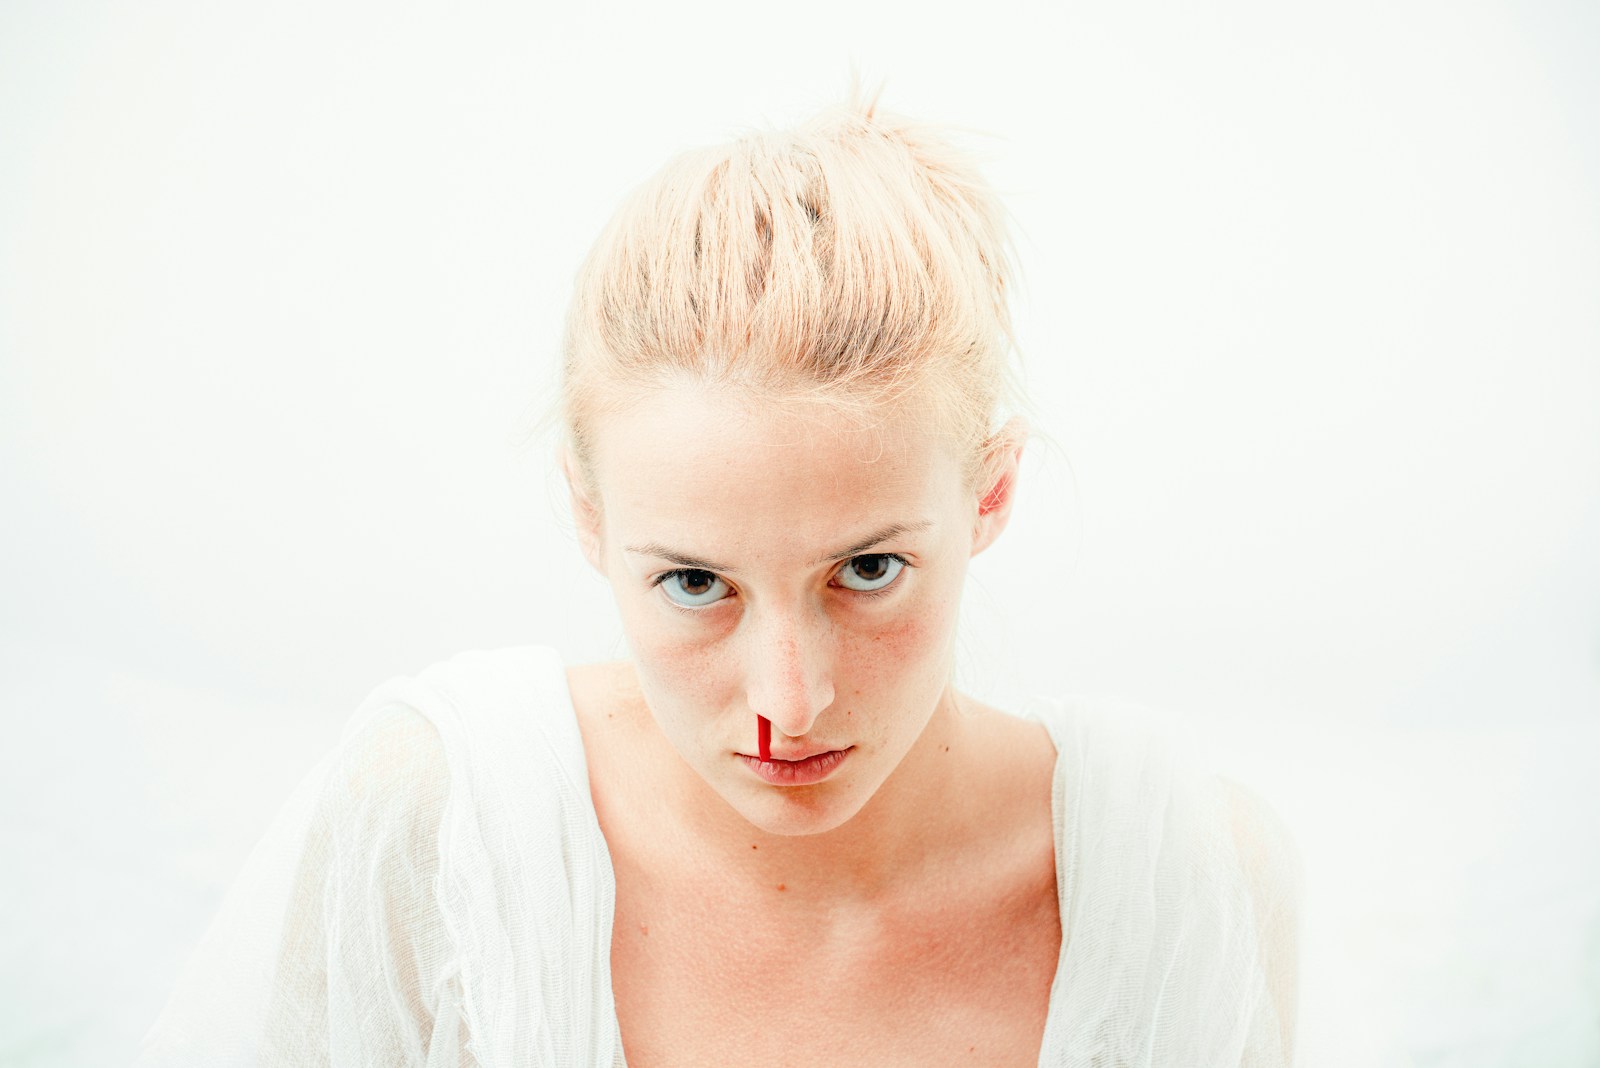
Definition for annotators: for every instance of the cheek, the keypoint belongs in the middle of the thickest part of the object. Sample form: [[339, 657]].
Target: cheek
[[679, 665], [908, 650]]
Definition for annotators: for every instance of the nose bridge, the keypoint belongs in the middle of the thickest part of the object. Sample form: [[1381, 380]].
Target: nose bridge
[[790, 678]]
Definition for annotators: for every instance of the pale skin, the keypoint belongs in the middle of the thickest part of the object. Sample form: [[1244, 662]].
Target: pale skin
[[784, 560]]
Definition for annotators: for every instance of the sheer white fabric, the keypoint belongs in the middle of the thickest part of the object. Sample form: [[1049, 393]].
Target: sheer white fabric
[[437, 892], [1179, 904]]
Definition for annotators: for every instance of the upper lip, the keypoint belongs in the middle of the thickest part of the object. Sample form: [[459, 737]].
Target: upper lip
[[796, 757]]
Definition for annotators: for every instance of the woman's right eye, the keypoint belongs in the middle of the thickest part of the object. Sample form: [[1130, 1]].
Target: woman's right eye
[[693, 588]]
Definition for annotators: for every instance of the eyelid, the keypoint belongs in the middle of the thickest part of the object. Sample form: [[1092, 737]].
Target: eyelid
[[658, 580], [905, 565]]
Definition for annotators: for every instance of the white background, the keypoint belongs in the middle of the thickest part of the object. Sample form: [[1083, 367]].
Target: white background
[[1312, 321]]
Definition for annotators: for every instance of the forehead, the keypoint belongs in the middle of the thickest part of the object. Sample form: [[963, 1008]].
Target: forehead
[[721, 466]]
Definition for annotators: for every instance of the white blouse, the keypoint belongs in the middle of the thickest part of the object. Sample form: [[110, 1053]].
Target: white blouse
[[437, 892]]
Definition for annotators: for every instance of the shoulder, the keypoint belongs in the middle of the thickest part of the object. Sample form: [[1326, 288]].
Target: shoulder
[[482, 695], [458, 720], [1262, 839], [1167, 860], [395, 756], [1126, 765]]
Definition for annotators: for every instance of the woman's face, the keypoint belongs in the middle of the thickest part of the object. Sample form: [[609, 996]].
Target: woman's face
[[781, 561]]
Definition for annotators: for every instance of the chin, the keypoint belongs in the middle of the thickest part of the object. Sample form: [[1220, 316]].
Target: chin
[[796, 812]]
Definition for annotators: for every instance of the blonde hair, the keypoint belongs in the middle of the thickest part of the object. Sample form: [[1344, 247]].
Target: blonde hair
[[858, 259]]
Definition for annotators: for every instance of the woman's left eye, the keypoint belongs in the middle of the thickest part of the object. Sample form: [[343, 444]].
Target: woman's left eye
[[872, 572], [692, 587]]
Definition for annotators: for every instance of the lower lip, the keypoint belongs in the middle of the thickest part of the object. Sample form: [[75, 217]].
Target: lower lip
[[796, 772]]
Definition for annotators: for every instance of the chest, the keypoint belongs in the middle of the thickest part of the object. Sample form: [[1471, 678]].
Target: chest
[[705, 979]]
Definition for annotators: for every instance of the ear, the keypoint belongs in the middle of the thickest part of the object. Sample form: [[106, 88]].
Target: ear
[[585, 510], [997, 490]]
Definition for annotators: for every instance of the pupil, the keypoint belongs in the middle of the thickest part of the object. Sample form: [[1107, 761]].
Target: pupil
[[872, 567]]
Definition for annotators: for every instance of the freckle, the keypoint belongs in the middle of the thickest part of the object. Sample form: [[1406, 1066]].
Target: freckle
[[644, 929], [947, 749], [755, 847], [781, 886]]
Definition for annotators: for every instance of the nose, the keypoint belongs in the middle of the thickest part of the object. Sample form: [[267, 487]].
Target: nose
[[790, 677]]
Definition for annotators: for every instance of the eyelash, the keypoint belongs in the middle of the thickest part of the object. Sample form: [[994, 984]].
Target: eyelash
[[659, 579]]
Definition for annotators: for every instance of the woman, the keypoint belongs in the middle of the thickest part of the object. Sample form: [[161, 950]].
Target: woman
[[776, 833]]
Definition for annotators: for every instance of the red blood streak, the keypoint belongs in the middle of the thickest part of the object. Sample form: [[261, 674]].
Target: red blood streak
[[764, 736]]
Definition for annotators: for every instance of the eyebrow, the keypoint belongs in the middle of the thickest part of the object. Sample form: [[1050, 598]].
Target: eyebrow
[[696, 563]]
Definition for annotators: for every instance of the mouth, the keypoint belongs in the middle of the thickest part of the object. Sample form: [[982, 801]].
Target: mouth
[[796, 757], [799, 771]]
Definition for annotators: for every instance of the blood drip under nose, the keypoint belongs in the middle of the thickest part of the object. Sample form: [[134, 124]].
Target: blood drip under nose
[[764, 736]]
